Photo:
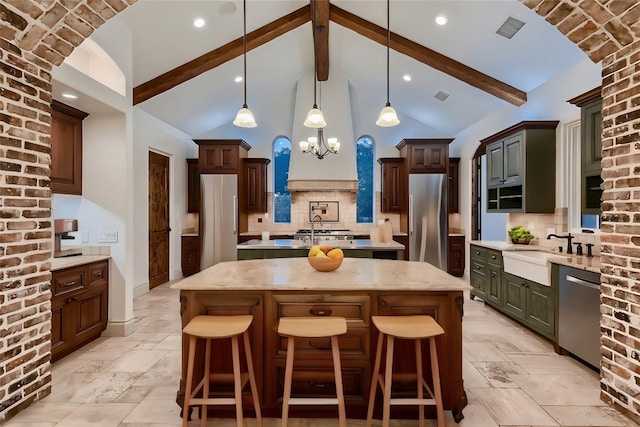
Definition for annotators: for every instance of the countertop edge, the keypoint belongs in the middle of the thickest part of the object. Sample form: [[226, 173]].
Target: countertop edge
[[580, 262], [75, 261]]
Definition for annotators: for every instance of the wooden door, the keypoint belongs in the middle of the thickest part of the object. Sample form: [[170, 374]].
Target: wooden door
[[158, 219]]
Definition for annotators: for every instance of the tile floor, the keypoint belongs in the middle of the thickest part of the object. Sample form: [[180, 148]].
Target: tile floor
[[512, 378]]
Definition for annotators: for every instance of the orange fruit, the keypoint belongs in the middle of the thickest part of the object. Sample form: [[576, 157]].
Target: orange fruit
[[335, 253], [325, 249]]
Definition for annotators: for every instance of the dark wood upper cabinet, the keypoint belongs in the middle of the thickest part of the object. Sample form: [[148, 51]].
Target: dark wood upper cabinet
[[425, 155], [254, 184], [392, 184], [221, 155], [66, 148], [193, 186], [453, 184]]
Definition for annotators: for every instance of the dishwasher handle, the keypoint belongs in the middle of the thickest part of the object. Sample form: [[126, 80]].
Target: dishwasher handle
[[582, 282]]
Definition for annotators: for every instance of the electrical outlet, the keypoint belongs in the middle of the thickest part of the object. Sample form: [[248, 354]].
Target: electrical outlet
[[108, 236]]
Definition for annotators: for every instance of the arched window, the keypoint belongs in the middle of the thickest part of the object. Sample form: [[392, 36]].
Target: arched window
[[365, 151], [281, 195]]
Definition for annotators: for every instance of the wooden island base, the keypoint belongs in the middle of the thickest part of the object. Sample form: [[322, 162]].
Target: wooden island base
[[313, 371]]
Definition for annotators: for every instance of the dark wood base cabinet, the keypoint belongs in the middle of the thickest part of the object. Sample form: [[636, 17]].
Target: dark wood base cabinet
[[190, 260], [455, 256], [313, 369], [79, 306]]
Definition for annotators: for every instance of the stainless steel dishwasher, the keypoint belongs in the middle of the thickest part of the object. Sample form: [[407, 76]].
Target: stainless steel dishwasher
[[579, 314]]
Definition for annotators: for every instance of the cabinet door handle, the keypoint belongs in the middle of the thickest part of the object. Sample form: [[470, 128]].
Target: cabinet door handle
[[69, 284], [69, 300], [493, 257], [384, 303], [315, 312]]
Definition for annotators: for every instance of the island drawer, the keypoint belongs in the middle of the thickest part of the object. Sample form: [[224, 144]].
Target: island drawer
[[354, 308], [320, 382], [354, 343]]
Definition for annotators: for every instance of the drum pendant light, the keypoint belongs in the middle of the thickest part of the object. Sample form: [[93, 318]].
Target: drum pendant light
[[388, 116], [244, 118]]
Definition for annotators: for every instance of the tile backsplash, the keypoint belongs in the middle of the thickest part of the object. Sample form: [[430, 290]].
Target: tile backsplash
[[541, 224], [300, 208]]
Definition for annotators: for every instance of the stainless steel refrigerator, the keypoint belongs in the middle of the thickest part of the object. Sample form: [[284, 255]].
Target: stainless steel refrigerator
[[218, 218], [428, 228]]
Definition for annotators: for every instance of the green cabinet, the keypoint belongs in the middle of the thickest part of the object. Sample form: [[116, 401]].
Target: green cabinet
[[528, 302], [591, 115], [520, 168], [505, 161], [478, 271], [494, 278], [486, 274], [531, 303]]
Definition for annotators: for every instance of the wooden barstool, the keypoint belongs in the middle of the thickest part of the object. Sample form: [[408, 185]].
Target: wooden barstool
[[312, 327], [416, 328], [211, 328]]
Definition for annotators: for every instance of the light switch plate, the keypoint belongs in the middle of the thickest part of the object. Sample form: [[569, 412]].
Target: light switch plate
[[108, 236]]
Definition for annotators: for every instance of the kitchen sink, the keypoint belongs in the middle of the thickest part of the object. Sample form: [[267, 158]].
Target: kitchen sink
[[531, 265]]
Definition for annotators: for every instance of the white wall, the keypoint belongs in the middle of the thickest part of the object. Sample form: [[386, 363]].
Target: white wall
[[150, 134]]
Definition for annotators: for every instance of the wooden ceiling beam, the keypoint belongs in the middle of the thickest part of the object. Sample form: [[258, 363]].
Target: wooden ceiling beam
[[320, 11], [428, 57], [219, 56]]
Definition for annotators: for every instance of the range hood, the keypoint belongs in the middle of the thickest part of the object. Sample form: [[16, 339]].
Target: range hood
[[336, 172]]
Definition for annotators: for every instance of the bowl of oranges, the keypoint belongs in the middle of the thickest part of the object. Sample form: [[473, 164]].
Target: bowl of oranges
[[325, 258]]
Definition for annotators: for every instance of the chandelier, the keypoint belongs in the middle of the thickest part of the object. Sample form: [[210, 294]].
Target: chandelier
[[318, 146]]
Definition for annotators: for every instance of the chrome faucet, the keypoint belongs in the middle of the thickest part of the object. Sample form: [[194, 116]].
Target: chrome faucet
[[569, 237], [313, 222]]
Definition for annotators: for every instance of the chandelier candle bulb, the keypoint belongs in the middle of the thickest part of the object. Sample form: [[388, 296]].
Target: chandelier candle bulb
[[304, 146]]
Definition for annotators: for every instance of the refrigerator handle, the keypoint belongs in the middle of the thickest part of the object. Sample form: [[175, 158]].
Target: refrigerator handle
[[235, 214], [410, 214]]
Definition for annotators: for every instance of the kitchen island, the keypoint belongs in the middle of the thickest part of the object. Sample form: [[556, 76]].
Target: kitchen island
[[291, 248], [360, 288]]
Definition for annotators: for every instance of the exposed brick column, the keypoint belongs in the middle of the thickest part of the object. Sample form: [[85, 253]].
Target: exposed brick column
[[608, 31], [34, 37], [25, 231], [620, 321]]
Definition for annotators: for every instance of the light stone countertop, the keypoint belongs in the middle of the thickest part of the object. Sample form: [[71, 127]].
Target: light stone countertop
[[296, 274], [581, 262], [74, 261], [505, 246], [299, 244]]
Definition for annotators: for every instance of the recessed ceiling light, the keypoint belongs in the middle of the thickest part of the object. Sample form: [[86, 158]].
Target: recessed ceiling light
[[199, 22], [406, 78], [441, 20], [69, 95], [238, 79]]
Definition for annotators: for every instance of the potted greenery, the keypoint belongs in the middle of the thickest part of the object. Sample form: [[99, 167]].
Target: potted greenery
[[519, 235]]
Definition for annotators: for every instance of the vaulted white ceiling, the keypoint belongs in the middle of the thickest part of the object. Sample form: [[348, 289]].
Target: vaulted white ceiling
[[164, 38]]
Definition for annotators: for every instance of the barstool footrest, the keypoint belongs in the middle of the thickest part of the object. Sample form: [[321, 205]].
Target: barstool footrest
[[213, 401], [313, 401], [411, 401]]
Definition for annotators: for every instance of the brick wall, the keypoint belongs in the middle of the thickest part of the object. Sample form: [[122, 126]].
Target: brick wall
[[38, 34], [34, 36], [609, 31]]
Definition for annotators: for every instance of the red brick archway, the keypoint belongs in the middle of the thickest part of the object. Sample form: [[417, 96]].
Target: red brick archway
[[36, 35]]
